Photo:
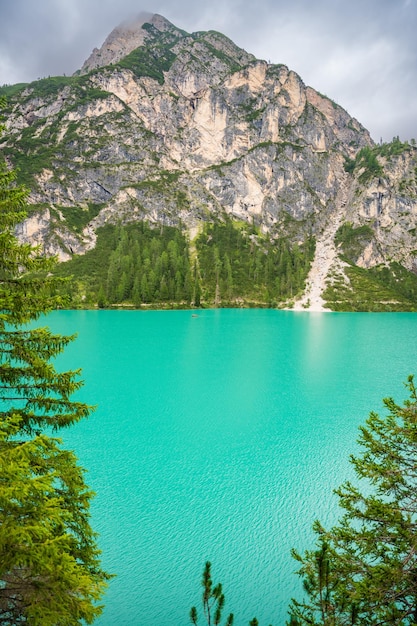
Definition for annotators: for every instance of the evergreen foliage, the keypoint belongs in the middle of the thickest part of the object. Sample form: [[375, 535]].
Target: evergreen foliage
[[383, 288], [136, 265], [213, 601], [132, 264], [152, 62], [236, 263], [398, 278], [366, 162], [88, 272], [50, 570], [149, 265], [353, 241], [77, 217], [364, 569]]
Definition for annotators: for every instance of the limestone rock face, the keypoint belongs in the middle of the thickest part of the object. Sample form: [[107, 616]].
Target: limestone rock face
[[389, 203], [49, 232], [171, 127]]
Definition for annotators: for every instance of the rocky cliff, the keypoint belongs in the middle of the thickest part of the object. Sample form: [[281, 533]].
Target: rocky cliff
[[183, 129]]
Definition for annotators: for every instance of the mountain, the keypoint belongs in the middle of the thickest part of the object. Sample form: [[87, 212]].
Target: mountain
[[189, 132]]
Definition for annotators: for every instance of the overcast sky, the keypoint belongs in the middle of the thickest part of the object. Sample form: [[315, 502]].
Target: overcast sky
[[360, 53]]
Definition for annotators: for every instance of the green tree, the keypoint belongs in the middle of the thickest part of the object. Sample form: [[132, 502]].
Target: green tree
[[144, 289], [123, 288], [112, 278], [163, 289], [136, 292], [365, 569], [228, 278], [50, 570], [197, 286], [101, 297], [213, 601]]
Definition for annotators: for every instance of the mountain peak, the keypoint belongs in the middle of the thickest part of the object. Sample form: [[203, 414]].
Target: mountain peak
[[125, 38]]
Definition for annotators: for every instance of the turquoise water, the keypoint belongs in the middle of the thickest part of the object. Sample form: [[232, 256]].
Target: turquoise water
[[220, 437]]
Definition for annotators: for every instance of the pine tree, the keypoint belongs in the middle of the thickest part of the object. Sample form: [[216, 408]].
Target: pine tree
[[101, 297], [228, 277], [368, 574], [136, 293], [197, 287], [144, 289], [50, 571], [213, 601]]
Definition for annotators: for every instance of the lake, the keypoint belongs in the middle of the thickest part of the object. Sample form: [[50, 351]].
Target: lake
[[221, 437]]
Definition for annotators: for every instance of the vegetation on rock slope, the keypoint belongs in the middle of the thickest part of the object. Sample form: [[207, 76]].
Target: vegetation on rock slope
[[188, 128], [229, 264], [385, 287]]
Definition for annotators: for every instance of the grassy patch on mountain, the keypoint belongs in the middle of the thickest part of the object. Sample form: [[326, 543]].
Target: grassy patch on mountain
[[152, 62], [390, 288], [352, 241], [82, 89], [230, 62], [168, 37], [77, 217], [31, 155], [9, 91], [40, 145], [367, 165], [167, 186], [49, 87], [399, 279], [163, 181]]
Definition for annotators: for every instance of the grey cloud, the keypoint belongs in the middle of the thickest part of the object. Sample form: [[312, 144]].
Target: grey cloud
[[362, 53]]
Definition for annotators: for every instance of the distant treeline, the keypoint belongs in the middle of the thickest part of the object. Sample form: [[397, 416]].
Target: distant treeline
[[229, 264]]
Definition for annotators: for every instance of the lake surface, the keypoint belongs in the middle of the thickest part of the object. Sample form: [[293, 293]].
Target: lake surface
[[221, 437]]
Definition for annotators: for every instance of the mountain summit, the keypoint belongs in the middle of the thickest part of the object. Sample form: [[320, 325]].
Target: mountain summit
[[124, 39], [186, 130]]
